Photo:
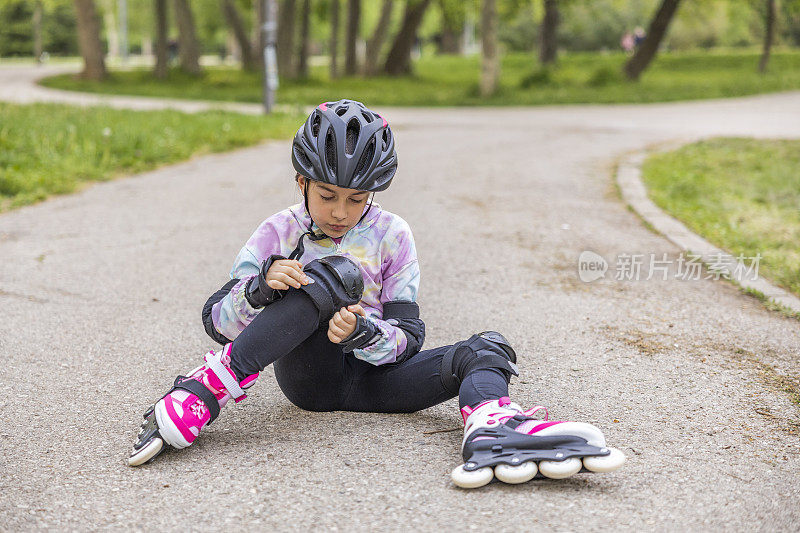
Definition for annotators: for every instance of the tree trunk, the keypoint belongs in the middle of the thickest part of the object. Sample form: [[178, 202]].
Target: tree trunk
[[334, 45], [258, 33], [655, 33], [490, 62], [353, 20], [547, 44], [162, 25], [110, 23], [188, 47], [305, 25], [768, 36], [235, 23], [377, 39], [94, 67], [398, 62], [285, 45], [37, 31], [450, 40]]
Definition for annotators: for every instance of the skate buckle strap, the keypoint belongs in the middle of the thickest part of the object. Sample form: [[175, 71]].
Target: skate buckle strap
[[198, 389], [214, 362]]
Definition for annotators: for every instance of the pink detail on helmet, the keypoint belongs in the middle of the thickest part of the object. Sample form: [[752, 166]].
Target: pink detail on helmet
[[383, 119], [505, 400], [323, 106]]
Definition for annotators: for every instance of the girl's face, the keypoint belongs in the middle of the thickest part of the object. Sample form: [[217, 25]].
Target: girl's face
[[334, 209]]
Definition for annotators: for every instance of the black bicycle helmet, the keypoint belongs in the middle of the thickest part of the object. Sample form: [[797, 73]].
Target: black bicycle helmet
[[345, 144]]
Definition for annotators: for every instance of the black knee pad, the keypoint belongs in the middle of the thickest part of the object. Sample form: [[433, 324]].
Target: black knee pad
[[337, 283], [483, 350]]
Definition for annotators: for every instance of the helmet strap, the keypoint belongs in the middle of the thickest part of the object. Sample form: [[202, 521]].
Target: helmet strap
[[297, 253]]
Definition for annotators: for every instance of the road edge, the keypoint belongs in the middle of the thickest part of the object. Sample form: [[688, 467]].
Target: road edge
[[628, 177]]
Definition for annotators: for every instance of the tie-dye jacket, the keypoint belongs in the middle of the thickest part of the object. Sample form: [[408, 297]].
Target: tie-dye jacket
[[383, 246]]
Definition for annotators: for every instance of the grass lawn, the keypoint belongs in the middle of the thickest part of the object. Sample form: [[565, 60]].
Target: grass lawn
[[449, 80], [743, 195], [54, 149]]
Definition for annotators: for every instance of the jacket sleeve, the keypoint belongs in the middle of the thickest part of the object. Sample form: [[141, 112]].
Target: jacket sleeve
[[400, 330], [227, 312]]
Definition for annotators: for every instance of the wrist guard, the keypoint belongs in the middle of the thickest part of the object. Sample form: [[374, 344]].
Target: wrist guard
[[366, 333], [257, 292]]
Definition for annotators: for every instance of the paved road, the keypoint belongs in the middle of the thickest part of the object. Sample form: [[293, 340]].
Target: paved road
[[101, 294]]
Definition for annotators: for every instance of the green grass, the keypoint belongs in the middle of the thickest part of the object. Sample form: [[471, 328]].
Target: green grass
[[448, 80], [743, 195], [54, 149]]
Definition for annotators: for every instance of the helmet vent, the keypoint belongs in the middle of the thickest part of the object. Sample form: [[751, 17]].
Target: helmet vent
[[368, 116], [366, 159], [315, 122], [351, 139], [330, 152], [301, 156], [341, 110], [387, 137], [387, 176]]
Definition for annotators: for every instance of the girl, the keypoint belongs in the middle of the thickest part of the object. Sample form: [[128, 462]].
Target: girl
[[326, 291]]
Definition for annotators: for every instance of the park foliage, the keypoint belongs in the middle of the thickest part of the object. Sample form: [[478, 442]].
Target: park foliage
[[55, 149], [740, 194], [453, 81]]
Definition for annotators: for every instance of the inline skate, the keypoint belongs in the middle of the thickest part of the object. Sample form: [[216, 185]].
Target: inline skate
[[504, 441], [193, 402]]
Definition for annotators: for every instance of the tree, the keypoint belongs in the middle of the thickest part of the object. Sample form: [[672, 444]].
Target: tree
[[258, 34], [375, 42], [334, 44], [655, 33], [94, 67], [37, 31], [237, 27], [353, 20], [398, 62], [162, 24], [490, 61], [453, 18], [768, 35], [285, 44], [188, 47], [305, 29], [548, 44]]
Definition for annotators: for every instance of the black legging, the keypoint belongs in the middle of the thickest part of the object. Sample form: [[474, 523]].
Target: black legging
[[316, 375]]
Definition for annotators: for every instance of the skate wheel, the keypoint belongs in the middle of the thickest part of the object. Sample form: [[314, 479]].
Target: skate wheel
[[471, 479], [605, 463], [516, 473], [560, 469], [146, 452]]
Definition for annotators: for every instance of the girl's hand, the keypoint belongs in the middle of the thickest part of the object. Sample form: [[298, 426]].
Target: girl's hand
[[343, 323], [285, 273]]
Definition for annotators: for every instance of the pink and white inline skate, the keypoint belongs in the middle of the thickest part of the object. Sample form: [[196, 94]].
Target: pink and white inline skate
[[193, 402], [504, 441]]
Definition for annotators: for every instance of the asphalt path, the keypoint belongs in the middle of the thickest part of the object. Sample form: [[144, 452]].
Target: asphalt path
[[101, 294]]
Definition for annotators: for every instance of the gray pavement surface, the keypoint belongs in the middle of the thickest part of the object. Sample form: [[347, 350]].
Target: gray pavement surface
[[101, 294]]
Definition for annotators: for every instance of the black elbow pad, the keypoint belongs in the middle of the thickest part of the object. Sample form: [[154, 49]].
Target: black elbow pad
[[405, 315], [208, 322]]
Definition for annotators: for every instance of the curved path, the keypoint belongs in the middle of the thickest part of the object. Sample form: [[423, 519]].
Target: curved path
[[101, 294]]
